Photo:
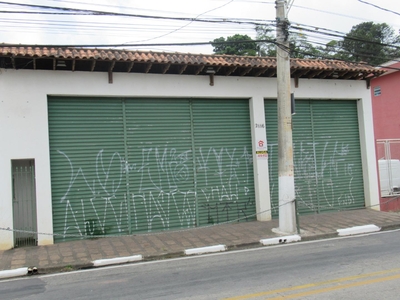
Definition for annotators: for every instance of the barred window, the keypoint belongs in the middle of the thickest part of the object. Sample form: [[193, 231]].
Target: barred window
[[377, 91]]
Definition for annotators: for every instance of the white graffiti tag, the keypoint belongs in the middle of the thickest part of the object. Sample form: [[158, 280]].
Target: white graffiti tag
[[166, 189]]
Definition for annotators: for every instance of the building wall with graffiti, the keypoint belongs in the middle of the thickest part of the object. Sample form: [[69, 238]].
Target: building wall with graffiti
[[24, 114]]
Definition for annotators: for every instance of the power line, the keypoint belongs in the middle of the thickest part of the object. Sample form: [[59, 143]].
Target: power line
[[339, 52], [332, 13], [379, 7], [177, 29], [41, 13], [112, 30], [109, 6], [344, 60], [290, 5], [273, 208], [100, 25], [308, 28], [85, 12], [202, 43], [152, 45], [106, 13], [348, 37], [141, 45]]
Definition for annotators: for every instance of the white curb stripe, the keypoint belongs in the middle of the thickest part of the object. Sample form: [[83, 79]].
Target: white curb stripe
[[216, 248], [13, 273], [281, 240], [358, 230], [114, 261]]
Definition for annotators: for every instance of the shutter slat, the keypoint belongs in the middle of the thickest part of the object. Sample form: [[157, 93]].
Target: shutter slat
[[88, 184], [121, 166], [224, 166], [327, 157], [160, 157]]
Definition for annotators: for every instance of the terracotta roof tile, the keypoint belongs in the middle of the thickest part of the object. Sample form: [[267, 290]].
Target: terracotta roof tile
[[259, 63]]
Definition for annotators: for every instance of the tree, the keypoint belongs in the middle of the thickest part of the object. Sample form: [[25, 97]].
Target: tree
[[266, 33], [299, 46], [238, 44], [370, 42]]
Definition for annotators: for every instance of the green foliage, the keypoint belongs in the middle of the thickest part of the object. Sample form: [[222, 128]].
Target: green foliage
[[236, 45], [266, 33], [368, 42], [299, 47], [67, 268]]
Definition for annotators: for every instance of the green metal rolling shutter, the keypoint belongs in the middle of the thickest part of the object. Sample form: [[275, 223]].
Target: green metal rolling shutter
[[224, 167], [327, 158], [160, 158], [305, 165], [86, 150], [338, 151], [137, 165]]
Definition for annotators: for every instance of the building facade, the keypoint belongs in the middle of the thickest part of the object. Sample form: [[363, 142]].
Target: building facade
[[117, 142], [385, 93]]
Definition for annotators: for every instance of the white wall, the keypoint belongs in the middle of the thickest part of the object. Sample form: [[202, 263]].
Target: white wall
[[24, 123]]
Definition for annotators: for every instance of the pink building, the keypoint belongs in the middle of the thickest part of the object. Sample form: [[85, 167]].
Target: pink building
[[385, 92]]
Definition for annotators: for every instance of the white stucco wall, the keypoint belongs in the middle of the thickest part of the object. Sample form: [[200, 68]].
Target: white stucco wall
[[24, 123]]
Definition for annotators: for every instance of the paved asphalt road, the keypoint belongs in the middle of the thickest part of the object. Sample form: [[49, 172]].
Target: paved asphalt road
[[364, 267]]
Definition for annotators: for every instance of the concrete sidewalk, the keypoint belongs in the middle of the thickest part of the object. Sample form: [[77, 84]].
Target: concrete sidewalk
[[74, 255]]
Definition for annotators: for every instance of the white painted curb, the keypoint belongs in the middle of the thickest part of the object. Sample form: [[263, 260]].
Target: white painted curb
[[358, 230], [115, 261], [13, 273], [281, 240], [216, 248]]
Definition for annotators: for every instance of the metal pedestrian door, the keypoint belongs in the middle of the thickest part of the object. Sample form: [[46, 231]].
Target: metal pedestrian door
[[24, 203]]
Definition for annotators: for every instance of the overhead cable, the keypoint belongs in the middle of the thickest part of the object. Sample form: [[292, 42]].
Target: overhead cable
[[143, 45], [177, 29], [379, 7], [105, 13], [347, 37]]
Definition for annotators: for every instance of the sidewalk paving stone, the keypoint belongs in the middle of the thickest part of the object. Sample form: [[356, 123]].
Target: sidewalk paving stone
[[80, 254]]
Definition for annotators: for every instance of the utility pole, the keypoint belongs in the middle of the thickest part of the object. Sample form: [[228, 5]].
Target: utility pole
[[287, 212]]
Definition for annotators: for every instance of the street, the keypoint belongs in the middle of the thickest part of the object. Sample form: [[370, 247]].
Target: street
[[363, 267]]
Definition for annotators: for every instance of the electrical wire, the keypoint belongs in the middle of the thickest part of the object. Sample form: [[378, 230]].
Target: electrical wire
[[290, 5], [192, 20], [379, 7], [348, 37], [285, 48], [107, 13], [332, 13], [144, 45], [119, 7], [125, 27], [177, 29], [100, 26], [309, 54], [331, 33], [274, 208], [92, 27]]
